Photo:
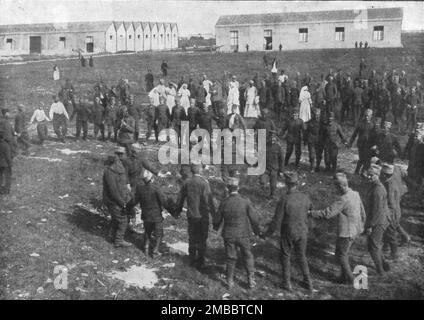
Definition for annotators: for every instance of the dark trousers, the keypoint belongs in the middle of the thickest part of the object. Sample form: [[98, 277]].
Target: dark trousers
[[320, 149], [110, 128], [390, 238], [312, 150], [158, 128], [357, 108], [345, 111], [298, 151], [60, 125], [150, 128], [375, 245], [298, 244], [5, 179], [273, 177], [119, 223], [197, 237], [81, 125], [153, 232], [343, 246], [332, 152], [99, 127], [216, 107], [23, 141], [42, 132], [231, 245], [411, 120], [364, 162]]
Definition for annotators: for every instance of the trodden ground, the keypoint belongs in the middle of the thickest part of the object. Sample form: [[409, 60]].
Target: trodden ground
[[53, 215]]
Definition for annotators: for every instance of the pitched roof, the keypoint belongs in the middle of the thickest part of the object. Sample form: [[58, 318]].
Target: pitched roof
[[118, 24], [56, 27], [128, 25], [292, 17], [174, 26], [144, 25], [152, 25]]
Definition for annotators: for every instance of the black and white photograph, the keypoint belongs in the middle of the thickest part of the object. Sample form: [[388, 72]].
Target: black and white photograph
[[236, 152]]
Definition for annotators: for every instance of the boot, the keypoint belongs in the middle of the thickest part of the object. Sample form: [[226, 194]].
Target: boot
[[155, 251], [308, 285], [122, 244], [251, 281], [230, 276], [146, 245]]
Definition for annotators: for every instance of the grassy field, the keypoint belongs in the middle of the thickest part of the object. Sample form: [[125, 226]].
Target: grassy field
[[53, 210]]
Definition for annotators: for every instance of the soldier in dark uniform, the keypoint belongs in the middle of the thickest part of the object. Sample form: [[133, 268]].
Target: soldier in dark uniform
[[111, 116], [200, 204], [264, 122], [192, 115], [330, 95], [311, 137], [152, 201], [162, 117], [414, 153], [126, 130], [201, 94], [365, 131], [377, 211], [150, 118], [350, 213], [21, 130], [332, 131], [148, 79], [387, 146], [6, 162], [294, 97], [347, 99], [366, 94], [293, 132], [238, 217], [8, 132], [116, 196], [204, 118], [394, 194], [82, 112], [133, 112], [178, 115], [357, 103], [135, 164], [274, 163], [99, 119], [291, 218]]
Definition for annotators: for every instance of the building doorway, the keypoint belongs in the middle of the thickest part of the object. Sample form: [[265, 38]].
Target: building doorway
[[89, 44], [34, 45], [268, 39]]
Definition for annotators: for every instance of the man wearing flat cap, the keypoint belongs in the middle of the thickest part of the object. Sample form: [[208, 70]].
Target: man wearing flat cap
[[200, 204], [21, 130], [377, 210], [238, 217], [116, 195], [350, 213], [291, 218]]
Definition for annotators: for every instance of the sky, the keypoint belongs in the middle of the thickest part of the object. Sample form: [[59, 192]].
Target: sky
[[192, 17]]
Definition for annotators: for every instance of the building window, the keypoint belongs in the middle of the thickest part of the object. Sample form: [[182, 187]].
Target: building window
[[62, 42], [121, 35], [340, 34], [9, 42], [147, 36], [378, 34], [234, 40], [110, 37], [268, 39], [89, 44], [154, 36], [303, 35], [161, 36], [129, 36], [138, 36]]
